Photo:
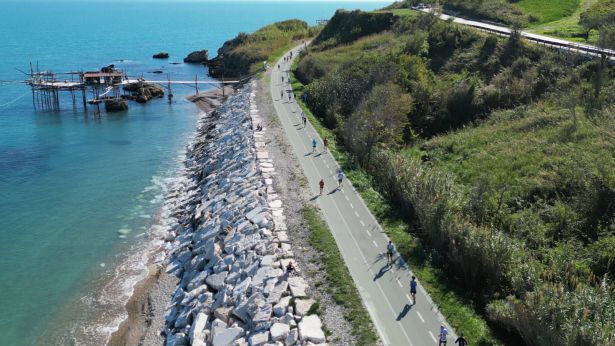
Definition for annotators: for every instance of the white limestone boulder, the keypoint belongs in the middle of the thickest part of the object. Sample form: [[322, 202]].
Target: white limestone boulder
[[310, 329], [279, 331]]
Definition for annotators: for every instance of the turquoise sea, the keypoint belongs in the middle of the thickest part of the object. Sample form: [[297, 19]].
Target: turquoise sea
[[80, 196]]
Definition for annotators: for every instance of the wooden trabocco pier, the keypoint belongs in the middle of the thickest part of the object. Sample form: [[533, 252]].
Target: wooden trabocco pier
[[95, 87]]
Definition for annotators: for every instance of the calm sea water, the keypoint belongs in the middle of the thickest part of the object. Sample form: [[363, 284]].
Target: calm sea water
[[71, 184]]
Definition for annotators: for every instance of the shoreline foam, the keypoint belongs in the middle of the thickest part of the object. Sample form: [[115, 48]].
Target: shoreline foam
[[145, 309]]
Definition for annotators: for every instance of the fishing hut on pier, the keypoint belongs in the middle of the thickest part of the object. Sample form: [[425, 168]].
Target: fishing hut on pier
[[110, 86], [103, 85]]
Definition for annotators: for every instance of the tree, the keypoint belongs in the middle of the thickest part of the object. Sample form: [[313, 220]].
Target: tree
[[607, 36], [379, 121], [598, 15]]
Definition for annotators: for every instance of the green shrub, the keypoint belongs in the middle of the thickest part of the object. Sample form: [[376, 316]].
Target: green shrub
[[345, 27], [245, 53]]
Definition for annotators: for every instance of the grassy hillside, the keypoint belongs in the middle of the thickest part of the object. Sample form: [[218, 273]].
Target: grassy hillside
[[544, 11], [499, 156], [245, 54]]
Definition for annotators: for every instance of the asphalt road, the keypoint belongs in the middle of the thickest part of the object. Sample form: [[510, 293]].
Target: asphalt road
[[580, 48], [384, 289]]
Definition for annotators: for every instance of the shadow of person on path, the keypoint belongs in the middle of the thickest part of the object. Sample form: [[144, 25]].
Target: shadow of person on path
[[317, 155], [308, 154], [404, 312], [314, 198], [332, 191], [382, 271]]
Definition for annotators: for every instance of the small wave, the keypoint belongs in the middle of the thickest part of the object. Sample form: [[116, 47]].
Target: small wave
[[110, 301]]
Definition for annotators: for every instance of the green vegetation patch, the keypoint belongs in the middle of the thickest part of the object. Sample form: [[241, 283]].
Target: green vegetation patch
[[543, 11], [245, 54], [339, 282], [345, 27], [458, 311], [501, 173]]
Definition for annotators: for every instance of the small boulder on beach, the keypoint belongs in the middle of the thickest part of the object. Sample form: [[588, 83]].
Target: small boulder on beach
[[161, 55]]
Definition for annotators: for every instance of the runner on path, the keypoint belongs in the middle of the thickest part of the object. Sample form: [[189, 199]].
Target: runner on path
[[321, 184], [443, 336], [413, 289], [340, 179], [314, 145], [325, 144], [461, 340], [390, 250]]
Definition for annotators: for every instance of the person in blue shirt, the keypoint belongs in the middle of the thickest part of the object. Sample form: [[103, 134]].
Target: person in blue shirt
[[413, 284], [314, 145], [443, 336]]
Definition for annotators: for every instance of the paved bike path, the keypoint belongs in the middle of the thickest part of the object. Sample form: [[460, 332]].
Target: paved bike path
[[362, 243]]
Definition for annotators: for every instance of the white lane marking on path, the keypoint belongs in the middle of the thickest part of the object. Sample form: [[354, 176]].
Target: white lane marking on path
[[409, 299], [361, 221], [372, 273], [399, 283], [351, 206], [357, 214], [375, 244], [420, 316], [432, 336], [348, 199], [347, 228], [369, 234]]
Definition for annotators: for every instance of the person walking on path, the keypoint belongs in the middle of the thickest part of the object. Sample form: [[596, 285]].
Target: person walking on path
[[314, 145], [321, 184], [325, 144], [443, 336], [282, 95], [304, 119], [413, 289], [340, 179], [461, 340], [390, 250]]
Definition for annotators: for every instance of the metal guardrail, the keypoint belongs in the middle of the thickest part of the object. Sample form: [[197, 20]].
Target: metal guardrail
[[556, 43]]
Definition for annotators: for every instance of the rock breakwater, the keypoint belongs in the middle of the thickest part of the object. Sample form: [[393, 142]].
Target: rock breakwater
[[230, 247]]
